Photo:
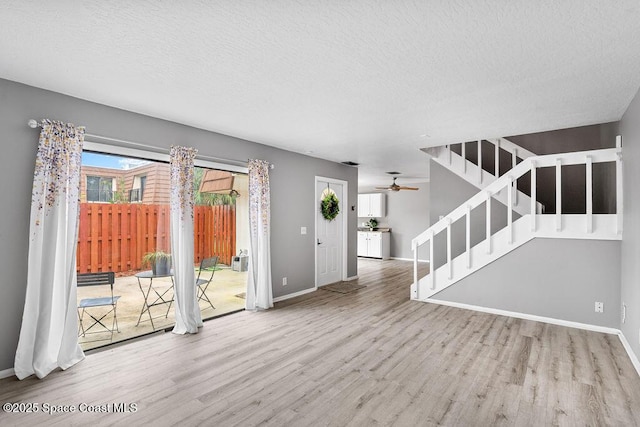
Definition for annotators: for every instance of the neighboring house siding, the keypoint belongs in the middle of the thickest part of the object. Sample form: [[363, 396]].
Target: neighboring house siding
[[157, 185]]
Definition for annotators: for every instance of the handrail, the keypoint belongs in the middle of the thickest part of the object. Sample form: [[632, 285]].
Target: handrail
[[511, 147], [530, 164], [535, 162], [499, 143], [444, 155]]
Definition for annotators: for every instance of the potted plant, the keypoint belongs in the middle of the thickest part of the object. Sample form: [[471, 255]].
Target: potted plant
[[373, 223], [159, 261]]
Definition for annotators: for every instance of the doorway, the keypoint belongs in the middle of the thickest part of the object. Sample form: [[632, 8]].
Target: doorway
[[331, 241]]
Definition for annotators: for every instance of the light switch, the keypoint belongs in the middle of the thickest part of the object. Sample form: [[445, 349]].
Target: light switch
[[303, 230]]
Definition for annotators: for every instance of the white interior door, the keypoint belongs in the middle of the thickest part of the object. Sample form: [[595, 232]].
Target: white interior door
[[329, 236]]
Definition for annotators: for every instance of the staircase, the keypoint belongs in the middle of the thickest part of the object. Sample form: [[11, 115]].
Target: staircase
[[478, 175], [531, 224]]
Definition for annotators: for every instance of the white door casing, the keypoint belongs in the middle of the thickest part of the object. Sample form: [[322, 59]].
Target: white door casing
[[330, 239]]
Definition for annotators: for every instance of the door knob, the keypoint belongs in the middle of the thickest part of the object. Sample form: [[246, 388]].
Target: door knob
[[319, 242]]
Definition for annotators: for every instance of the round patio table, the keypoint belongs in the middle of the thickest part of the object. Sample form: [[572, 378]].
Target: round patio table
[[159, 296]]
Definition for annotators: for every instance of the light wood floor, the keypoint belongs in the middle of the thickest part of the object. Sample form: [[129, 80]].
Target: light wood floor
[[371, 357]]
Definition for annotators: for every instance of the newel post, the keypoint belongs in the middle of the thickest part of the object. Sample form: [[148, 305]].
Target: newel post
[[619, 186]]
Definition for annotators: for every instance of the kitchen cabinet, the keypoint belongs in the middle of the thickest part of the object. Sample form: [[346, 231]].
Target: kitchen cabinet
[[363, 243], [371, 205], [374, 244]]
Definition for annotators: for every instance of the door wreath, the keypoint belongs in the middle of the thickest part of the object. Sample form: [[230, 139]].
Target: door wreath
[[330, 206]]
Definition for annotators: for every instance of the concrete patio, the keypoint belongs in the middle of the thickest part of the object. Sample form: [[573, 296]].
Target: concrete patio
[[223, 292]]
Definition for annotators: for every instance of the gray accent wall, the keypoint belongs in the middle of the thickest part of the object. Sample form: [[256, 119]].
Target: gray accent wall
[[557, 278], [592, 137], [292, 189], [630, 283]]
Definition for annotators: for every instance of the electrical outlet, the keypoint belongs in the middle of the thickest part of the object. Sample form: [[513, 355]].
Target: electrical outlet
[[284, 281], [303, 230], [624, 312], [599, 307]]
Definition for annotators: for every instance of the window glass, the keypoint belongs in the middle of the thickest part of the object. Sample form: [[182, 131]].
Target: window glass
[[99, 189]]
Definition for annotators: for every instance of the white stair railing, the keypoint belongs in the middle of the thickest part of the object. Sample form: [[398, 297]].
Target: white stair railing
[[476, 175], [559, 225], [516, 152]]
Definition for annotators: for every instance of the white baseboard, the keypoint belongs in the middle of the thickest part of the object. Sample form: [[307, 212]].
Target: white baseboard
[[632, 355], [7, 373], [293, 295], [410, 259], [551, 320], [348, 279]]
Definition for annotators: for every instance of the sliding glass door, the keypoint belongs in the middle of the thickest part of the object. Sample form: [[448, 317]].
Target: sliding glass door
[[124, 229]]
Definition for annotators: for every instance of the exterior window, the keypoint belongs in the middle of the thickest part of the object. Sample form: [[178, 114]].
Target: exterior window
[[136, 194], [99, 189]]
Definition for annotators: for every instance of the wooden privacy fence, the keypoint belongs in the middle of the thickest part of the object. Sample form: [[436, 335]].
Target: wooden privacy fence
[[115, 237]]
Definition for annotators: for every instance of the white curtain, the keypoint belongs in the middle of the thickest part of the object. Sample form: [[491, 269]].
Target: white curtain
[[259, 292], [188, 317], [49, 333]]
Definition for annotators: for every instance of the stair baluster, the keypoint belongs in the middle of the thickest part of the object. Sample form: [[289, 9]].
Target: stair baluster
[[531, 224]]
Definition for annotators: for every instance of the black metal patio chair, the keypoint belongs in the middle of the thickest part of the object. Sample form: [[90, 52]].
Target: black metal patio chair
[[92, 306], [205, 275]]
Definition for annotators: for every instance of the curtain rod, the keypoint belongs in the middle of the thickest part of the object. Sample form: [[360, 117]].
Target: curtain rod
[[32, 123]]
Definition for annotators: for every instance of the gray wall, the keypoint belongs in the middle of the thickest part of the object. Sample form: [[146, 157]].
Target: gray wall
[[554, 278], [292, 189], [407, 214], [630, 280], [568, 140]]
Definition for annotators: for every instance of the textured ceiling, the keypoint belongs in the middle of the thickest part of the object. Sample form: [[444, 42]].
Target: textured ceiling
[[367, 81]]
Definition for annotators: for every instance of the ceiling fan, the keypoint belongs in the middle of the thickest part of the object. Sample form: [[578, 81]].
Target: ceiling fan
[[396, 187]]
